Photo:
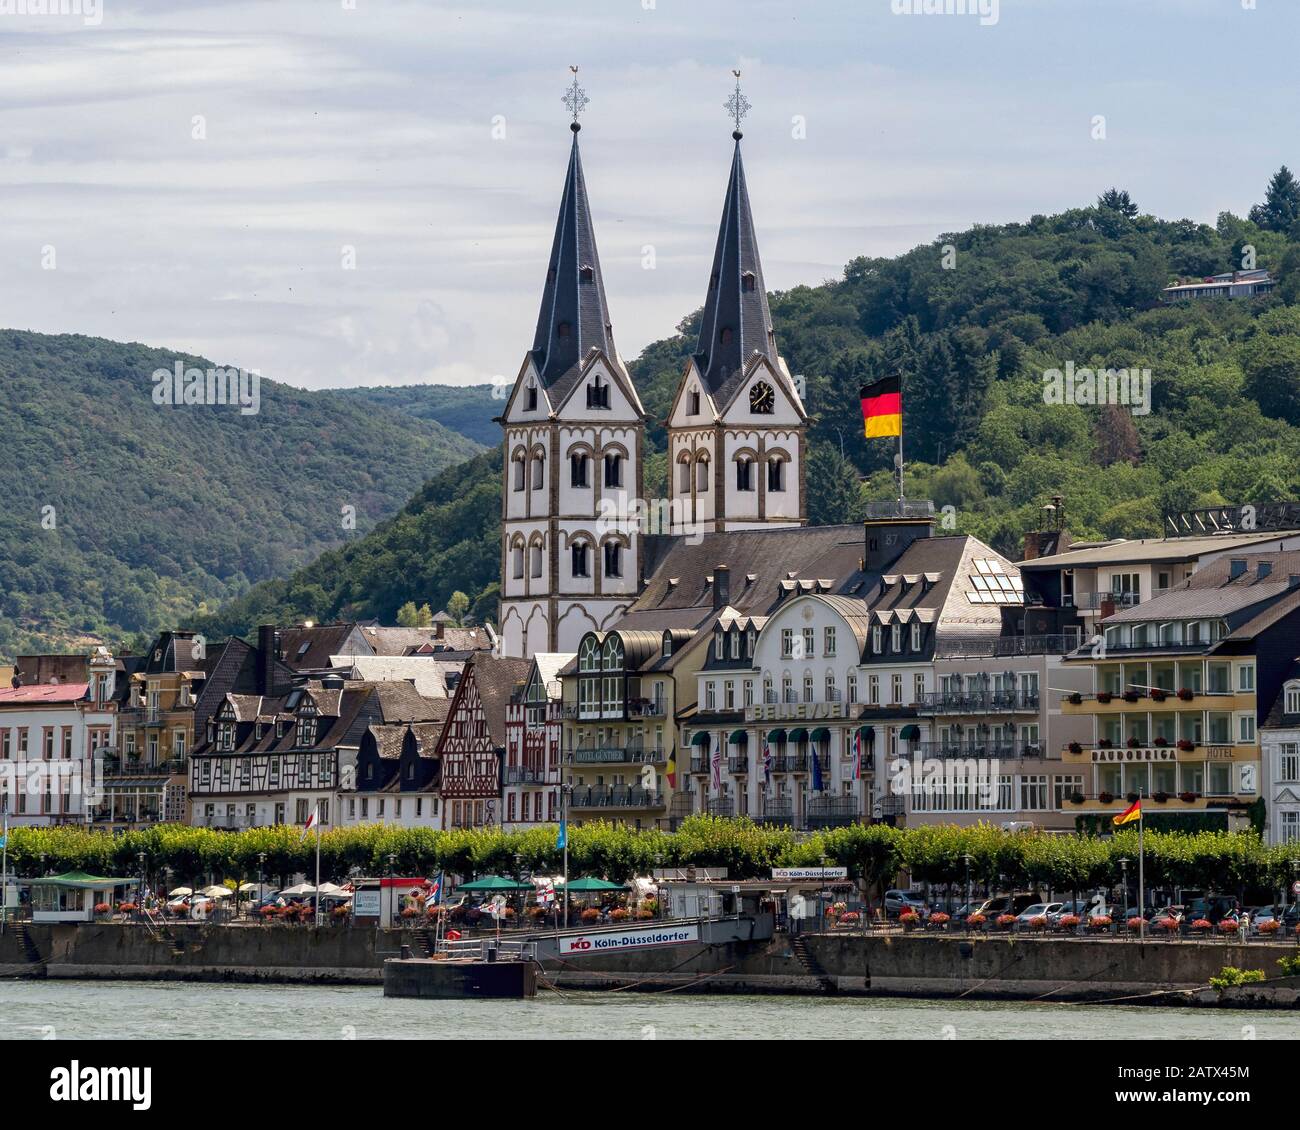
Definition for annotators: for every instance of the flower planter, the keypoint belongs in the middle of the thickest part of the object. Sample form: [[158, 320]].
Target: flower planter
[[1187, 798], [1186, 694], [938, 921], [1077, 798], [1005, 921], [1132, 798], [1104, 697], [1159, 695], [1076, 747], [1160, 798], [1106, 798], [975, 922], [1185, 745], [1131, 696], [1067, 923], [1075, 699]]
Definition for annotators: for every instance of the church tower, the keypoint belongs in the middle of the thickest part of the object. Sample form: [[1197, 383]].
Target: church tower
[[574, 437], [737, 429]]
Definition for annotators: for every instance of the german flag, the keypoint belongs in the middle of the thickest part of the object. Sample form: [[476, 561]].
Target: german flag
[[1131, 813], [882, 408]]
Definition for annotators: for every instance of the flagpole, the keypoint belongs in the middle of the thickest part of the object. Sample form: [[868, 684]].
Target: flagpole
[[901, 496], [318, 871], [1142, 922], [4, 867]]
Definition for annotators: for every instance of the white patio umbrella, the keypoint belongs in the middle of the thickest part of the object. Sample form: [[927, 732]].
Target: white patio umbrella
[[300, 889], [179, 892], [244, 888], [215, 892], [329, 889]]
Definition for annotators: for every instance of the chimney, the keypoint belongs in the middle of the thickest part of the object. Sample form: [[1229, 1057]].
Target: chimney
[[1031, 545], [438, 630], [268, 651], [721, 586]]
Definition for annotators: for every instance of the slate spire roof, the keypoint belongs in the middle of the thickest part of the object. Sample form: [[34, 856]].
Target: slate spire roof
[[736, 321], [574, 317]]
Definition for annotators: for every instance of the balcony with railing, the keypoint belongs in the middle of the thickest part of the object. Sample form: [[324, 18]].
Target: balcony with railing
[[1104, 601], [142, 767], [979, 702], [831, 812], [738, 764], [699, 765], [998, 647], [976, 748], [900, 508], [616, 796], [524, 775], [647, 708]]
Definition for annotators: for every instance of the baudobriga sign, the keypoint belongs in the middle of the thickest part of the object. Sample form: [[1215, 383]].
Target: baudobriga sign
[[616, 940]]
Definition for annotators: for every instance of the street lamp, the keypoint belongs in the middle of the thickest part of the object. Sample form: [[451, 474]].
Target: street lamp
[[966, 858], [261, 869], [1123, 863], [139, 902]]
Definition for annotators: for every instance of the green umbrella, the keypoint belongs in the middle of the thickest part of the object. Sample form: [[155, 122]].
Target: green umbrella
[[495, 883], [596, 885]]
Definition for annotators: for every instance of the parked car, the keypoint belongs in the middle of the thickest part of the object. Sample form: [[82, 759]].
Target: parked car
[[1002, 904], [1213, 908], [898, 901], [1043, 910], [1077, 907]]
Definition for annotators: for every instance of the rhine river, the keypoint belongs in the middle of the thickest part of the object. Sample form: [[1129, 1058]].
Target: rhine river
[[34, 1010]]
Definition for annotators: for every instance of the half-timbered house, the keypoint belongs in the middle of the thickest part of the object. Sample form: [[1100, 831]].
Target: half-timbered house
[[473, 740], [530, 783]]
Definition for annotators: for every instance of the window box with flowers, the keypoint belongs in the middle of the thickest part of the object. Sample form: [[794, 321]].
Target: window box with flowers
[[1160, 742], [1186, 694], [850, 919], [1106, 798], [1105, 743], [1067, 922], [1076, 699], [1131, 696], [1270, 927], [1005, 921], [1075, 747], [1134, 924], [1186, 745], [1104, 697], [1187, 798], [1157, 695], [1228, 926], [1132, 798], [1160, 798], [619, 914], [1077, 798], [102, 908], [1202, 926], [1167, 925], [1132, 743], [591, 914]]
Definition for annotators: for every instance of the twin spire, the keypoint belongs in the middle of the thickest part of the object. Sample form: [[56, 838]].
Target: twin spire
[[574, 316]]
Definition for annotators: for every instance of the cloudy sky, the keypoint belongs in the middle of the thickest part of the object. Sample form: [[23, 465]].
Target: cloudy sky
[[377, 125]]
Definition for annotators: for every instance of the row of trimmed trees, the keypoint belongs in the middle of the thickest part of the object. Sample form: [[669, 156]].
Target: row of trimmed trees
[[875, 854]]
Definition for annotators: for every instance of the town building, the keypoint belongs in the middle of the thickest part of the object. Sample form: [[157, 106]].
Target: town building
[[472, 744], [1229, 284], [55, 736], [1279, 736], [531, 772], [397, 775], [1181, 685]]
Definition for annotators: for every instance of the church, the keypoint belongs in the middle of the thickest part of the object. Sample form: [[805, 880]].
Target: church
[[575, 553]]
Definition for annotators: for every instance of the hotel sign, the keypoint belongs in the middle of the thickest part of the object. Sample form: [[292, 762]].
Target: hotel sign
[[650, 937], [1155, 753], [787, 873]]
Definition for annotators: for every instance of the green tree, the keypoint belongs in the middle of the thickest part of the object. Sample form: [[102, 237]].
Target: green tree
[[408, 616], [834, 496], [1118, 200], [1272, 368], [457, 606], [1281, 207]]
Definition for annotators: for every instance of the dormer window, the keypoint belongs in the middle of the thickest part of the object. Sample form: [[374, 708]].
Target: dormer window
[[1292, 705], [735, 645], [563, 329], [586, 274], [306, 731], [717, 644], [748, 281], [916, 635], [668, 645], [877, 639], [895, 637], [725, 335]]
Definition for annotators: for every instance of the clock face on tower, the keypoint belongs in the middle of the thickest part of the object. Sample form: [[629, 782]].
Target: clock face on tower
[[762, 400]]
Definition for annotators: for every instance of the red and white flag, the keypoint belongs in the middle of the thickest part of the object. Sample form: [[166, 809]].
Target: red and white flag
[[311, 823]]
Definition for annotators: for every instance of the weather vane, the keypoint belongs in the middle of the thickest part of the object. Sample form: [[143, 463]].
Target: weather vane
[[575, 98], [737, 106]]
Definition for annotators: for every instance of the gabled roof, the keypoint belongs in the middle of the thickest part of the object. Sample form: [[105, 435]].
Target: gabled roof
[[496, 679], [309, 649], [574, 316], [736, 322], [1212, 591], [1278, 718]]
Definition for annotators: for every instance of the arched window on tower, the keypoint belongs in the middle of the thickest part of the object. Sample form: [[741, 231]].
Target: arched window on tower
[[702, 475], [517, 561], [530, 397], [613, 469], [579, 463], [775, 475], [536, 563], [518, 478], [744, 473], [684, 476], [579, 553], [613, 559], [539, 471]]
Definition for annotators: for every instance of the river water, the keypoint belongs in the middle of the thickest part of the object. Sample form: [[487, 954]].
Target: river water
[[34, 1010]]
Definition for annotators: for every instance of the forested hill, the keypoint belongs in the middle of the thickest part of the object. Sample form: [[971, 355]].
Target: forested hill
[[468, 409], [120, 515], [972, 341]]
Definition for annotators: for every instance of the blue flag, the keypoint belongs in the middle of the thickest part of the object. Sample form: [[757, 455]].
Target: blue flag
[[816, 772], [562, 841]]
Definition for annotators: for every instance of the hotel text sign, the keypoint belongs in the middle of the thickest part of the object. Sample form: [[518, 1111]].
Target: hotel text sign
[[1157, 753], [787, 873]]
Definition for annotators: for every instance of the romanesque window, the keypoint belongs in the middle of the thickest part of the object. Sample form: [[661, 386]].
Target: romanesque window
[[775, 475], [578, 557], [744, 473], [613, 470], [578, 465], [613, 559]]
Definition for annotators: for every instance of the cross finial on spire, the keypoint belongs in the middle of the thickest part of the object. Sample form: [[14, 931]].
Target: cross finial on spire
[[737, 106], [575, 98]]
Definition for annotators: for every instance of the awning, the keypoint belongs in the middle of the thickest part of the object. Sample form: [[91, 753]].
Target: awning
[[910, 733], [776, 735], [701, 738], [738, 737], [868, 733], [799, 735], [821, 734]]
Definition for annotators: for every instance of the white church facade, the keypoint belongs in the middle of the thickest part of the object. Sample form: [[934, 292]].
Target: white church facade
[[574, 507]]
